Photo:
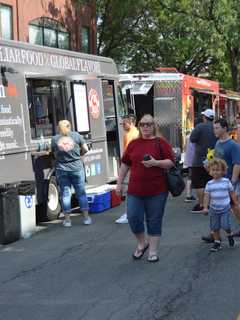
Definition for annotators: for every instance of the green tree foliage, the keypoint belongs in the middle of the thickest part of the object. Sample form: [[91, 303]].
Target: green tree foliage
[[214, 32], [118, 22], [196, 37]]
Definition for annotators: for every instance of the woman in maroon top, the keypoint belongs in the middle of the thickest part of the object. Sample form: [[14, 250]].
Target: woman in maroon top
[[147, 188]]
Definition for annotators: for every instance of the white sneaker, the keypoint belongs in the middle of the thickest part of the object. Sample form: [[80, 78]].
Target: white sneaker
[[61, 215], [67, 223], [87, 221], [123, 219]]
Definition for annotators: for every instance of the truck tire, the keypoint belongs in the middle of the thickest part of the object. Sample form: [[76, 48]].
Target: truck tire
[[53, 204]]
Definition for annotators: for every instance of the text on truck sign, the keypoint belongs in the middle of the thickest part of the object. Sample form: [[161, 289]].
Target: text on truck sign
[[45, 59]]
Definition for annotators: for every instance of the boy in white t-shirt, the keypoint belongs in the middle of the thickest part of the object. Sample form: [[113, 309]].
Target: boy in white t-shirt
[[219, 195]]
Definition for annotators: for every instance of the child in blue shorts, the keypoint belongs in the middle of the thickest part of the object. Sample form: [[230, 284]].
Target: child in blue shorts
[[218, 196]]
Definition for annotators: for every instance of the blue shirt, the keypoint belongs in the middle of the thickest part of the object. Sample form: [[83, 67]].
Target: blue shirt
[[228, 150], [67, 151]]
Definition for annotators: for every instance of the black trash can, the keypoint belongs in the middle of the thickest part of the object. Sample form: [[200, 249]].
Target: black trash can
[[9, 213], [26, 188]]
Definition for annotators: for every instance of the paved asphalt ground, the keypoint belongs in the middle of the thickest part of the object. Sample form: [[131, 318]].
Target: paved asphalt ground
[[86, 273]]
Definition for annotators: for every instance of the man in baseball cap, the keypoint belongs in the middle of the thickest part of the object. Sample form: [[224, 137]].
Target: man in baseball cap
[[204, 138], [208, 113]]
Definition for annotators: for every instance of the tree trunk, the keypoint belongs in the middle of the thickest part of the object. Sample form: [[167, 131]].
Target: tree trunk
[[234, 64]]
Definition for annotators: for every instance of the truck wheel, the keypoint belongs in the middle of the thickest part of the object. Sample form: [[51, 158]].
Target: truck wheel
[[53, 204]]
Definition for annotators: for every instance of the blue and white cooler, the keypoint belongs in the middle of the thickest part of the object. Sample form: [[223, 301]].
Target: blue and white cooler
[[99, 199]]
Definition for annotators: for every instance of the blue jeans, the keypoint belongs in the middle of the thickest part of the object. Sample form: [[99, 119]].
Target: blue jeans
[[219, 220], [66, 179], [151, 208]]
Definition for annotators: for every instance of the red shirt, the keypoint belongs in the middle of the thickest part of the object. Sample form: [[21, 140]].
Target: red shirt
[[146, 181]]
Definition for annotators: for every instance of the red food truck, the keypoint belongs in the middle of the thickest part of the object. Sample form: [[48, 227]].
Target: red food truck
[[229, 108], [175, 99]]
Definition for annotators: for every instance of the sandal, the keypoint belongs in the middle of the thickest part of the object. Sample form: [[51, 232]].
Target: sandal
[[153, 258], [140, 252]]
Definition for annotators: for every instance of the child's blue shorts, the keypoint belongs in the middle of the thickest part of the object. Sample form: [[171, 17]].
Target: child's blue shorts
[[219, 220]]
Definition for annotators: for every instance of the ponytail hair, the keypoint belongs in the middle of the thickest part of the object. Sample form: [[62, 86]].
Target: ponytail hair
[[64, 127]]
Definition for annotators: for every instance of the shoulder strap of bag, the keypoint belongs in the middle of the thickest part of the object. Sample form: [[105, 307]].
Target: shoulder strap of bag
[[159, 145], [160, 149]]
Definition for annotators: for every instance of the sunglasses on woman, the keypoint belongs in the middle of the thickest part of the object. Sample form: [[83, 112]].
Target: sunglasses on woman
[[145, 124]]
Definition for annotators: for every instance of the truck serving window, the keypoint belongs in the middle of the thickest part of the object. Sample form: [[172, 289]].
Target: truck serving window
[[46, 106]]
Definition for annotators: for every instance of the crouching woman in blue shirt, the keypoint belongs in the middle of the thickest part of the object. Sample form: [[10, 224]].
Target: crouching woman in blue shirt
[[68, 146]]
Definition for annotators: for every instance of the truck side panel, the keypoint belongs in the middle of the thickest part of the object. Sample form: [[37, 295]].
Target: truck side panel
[[15, 153]]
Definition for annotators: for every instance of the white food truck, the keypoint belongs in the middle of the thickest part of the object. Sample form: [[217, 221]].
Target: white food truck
[[40, 86]]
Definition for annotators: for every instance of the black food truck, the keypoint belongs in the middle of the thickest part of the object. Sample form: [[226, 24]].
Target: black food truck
[[40, 86]]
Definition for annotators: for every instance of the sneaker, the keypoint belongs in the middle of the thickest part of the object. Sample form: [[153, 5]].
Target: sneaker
[[216, 247], [208, 239], [67, 223], [87, 221], [123, 219], [190, 199], [197, 209], [61, 215], [231, 241], [236, 234]]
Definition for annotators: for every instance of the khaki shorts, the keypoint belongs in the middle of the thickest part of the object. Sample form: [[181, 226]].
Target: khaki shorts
[[125, 185], [237, 189]]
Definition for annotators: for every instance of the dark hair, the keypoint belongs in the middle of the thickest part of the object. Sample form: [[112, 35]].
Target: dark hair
[[209, 119], [223, 123], [131, 117]]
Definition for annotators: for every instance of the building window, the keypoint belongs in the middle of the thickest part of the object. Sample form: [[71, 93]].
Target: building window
[[49, 32], [63, 40], [50, 37], [35, 35], [86, 40], [6, 28]]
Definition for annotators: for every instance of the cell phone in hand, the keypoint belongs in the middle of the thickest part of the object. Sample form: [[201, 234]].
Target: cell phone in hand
[[146, 157]]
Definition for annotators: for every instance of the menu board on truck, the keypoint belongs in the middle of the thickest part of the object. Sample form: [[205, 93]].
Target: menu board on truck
[[81, 107], [15, 156]]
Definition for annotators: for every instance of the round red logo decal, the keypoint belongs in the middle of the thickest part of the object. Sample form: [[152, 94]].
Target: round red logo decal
[[94, 103]]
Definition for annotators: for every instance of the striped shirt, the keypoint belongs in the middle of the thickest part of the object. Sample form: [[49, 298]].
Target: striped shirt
[[218, 191]]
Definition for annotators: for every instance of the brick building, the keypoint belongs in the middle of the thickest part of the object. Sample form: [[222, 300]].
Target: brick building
[[54, 23]]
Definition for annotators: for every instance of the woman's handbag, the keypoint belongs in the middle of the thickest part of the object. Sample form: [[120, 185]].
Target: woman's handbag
[[175, 181]]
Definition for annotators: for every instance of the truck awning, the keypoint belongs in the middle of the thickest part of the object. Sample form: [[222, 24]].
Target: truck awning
[[229, 97], [222, 95], [138, 87], [205, 91]]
